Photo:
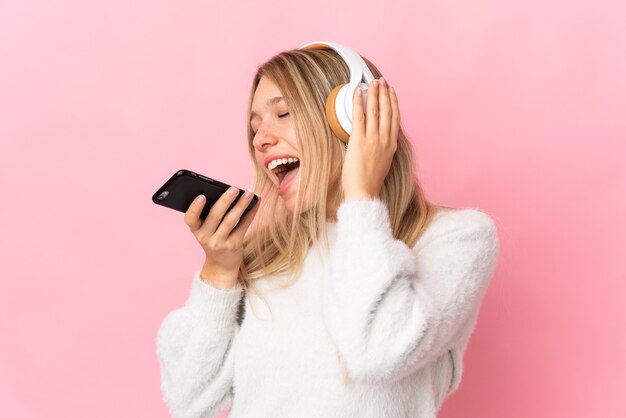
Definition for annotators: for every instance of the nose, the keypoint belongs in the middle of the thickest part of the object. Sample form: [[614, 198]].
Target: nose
[[264, 139]]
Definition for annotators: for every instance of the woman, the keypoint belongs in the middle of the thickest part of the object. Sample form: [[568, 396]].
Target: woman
[[352, 295]]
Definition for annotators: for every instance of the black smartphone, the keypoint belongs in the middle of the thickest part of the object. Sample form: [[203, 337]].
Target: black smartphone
[[185, 185]]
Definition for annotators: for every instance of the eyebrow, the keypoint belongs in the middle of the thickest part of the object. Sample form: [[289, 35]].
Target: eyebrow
[[270, 102]]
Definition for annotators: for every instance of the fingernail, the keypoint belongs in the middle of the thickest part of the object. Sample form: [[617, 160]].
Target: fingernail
[[359, 92], [247, 194], [200, 199], [383, 82], [233, 190], [375, 83]]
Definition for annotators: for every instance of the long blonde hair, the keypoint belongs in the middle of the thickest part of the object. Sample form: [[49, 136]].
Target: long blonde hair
[[278, 241]]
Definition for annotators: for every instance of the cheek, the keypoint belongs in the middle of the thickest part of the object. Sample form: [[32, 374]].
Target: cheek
[[259, 159], [290, 138]]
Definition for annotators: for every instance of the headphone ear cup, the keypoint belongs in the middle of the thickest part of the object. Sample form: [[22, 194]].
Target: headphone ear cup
[[331, 115]]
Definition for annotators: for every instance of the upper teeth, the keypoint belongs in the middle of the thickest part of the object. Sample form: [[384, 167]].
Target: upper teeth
[[279, 161]]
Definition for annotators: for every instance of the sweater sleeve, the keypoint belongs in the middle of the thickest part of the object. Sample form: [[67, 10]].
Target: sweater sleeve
[[195, 351], [391, 309]]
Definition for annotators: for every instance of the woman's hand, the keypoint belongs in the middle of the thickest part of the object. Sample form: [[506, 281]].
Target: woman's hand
[[221, 237], [372, 143]]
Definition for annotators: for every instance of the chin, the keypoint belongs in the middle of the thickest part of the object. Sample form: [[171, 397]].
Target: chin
[[290, 204], [289, 198]]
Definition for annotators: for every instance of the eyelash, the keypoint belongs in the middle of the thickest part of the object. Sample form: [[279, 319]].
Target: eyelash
[[280, 116]]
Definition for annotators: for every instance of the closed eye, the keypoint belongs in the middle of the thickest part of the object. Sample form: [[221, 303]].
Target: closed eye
[[280, 116]]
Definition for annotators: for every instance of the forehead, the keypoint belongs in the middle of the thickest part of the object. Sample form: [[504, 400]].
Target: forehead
[[266, 87], [267, 94]]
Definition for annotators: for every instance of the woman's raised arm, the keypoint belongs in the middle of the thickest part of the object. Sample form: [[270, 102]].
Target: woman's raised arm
[[391, 309]]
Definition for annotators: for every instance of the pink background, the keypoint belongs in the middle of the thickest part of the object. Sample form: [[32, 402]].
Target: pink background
[[514, 107]]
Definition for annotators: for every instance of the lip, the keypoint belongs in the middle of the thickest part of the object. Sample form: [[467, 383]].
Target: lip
[[275, 156]]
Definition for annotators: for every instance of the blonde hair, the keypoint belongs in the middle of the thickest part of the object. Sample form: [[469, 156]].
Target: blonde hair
[[278, 241]]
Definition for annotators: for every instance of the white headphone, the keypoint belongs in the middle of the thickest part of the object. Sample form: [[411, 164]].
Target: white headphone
[[339, 101]]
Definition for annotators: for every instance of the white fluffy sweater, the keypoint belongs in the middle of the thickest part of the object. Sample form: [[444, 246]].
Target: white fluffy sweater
[[398, 319]]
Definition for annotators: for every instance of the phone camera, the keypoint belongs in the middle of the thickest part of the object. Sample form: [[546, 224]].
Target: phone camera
[[163, 195]]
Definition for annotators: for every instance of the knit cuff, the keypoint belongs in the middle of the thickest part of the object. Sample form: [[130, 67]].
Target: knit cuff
[[210, 303], [363, 214]]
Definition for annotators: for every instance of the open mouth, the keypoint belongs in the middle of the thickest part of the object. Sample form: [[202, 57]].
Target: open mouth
[[283, 167]]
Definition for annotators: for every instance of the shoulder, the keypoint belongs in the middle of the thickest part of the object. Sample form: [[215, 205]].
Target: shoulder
[[460, 224], [464, 241], [461, 216]]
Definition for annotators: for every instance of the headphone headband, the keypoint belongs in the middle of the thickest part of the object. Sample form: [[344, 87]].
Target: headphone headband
[[339, 101], [359, 70]]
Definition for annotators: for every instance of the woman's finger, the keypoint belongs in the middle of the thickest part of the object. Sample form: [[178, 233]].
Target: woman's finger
[[384, 125], [215, 215], [232, 218], [371, 118], [240, 230], [192, 215], [358, 117], [395, 117]]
